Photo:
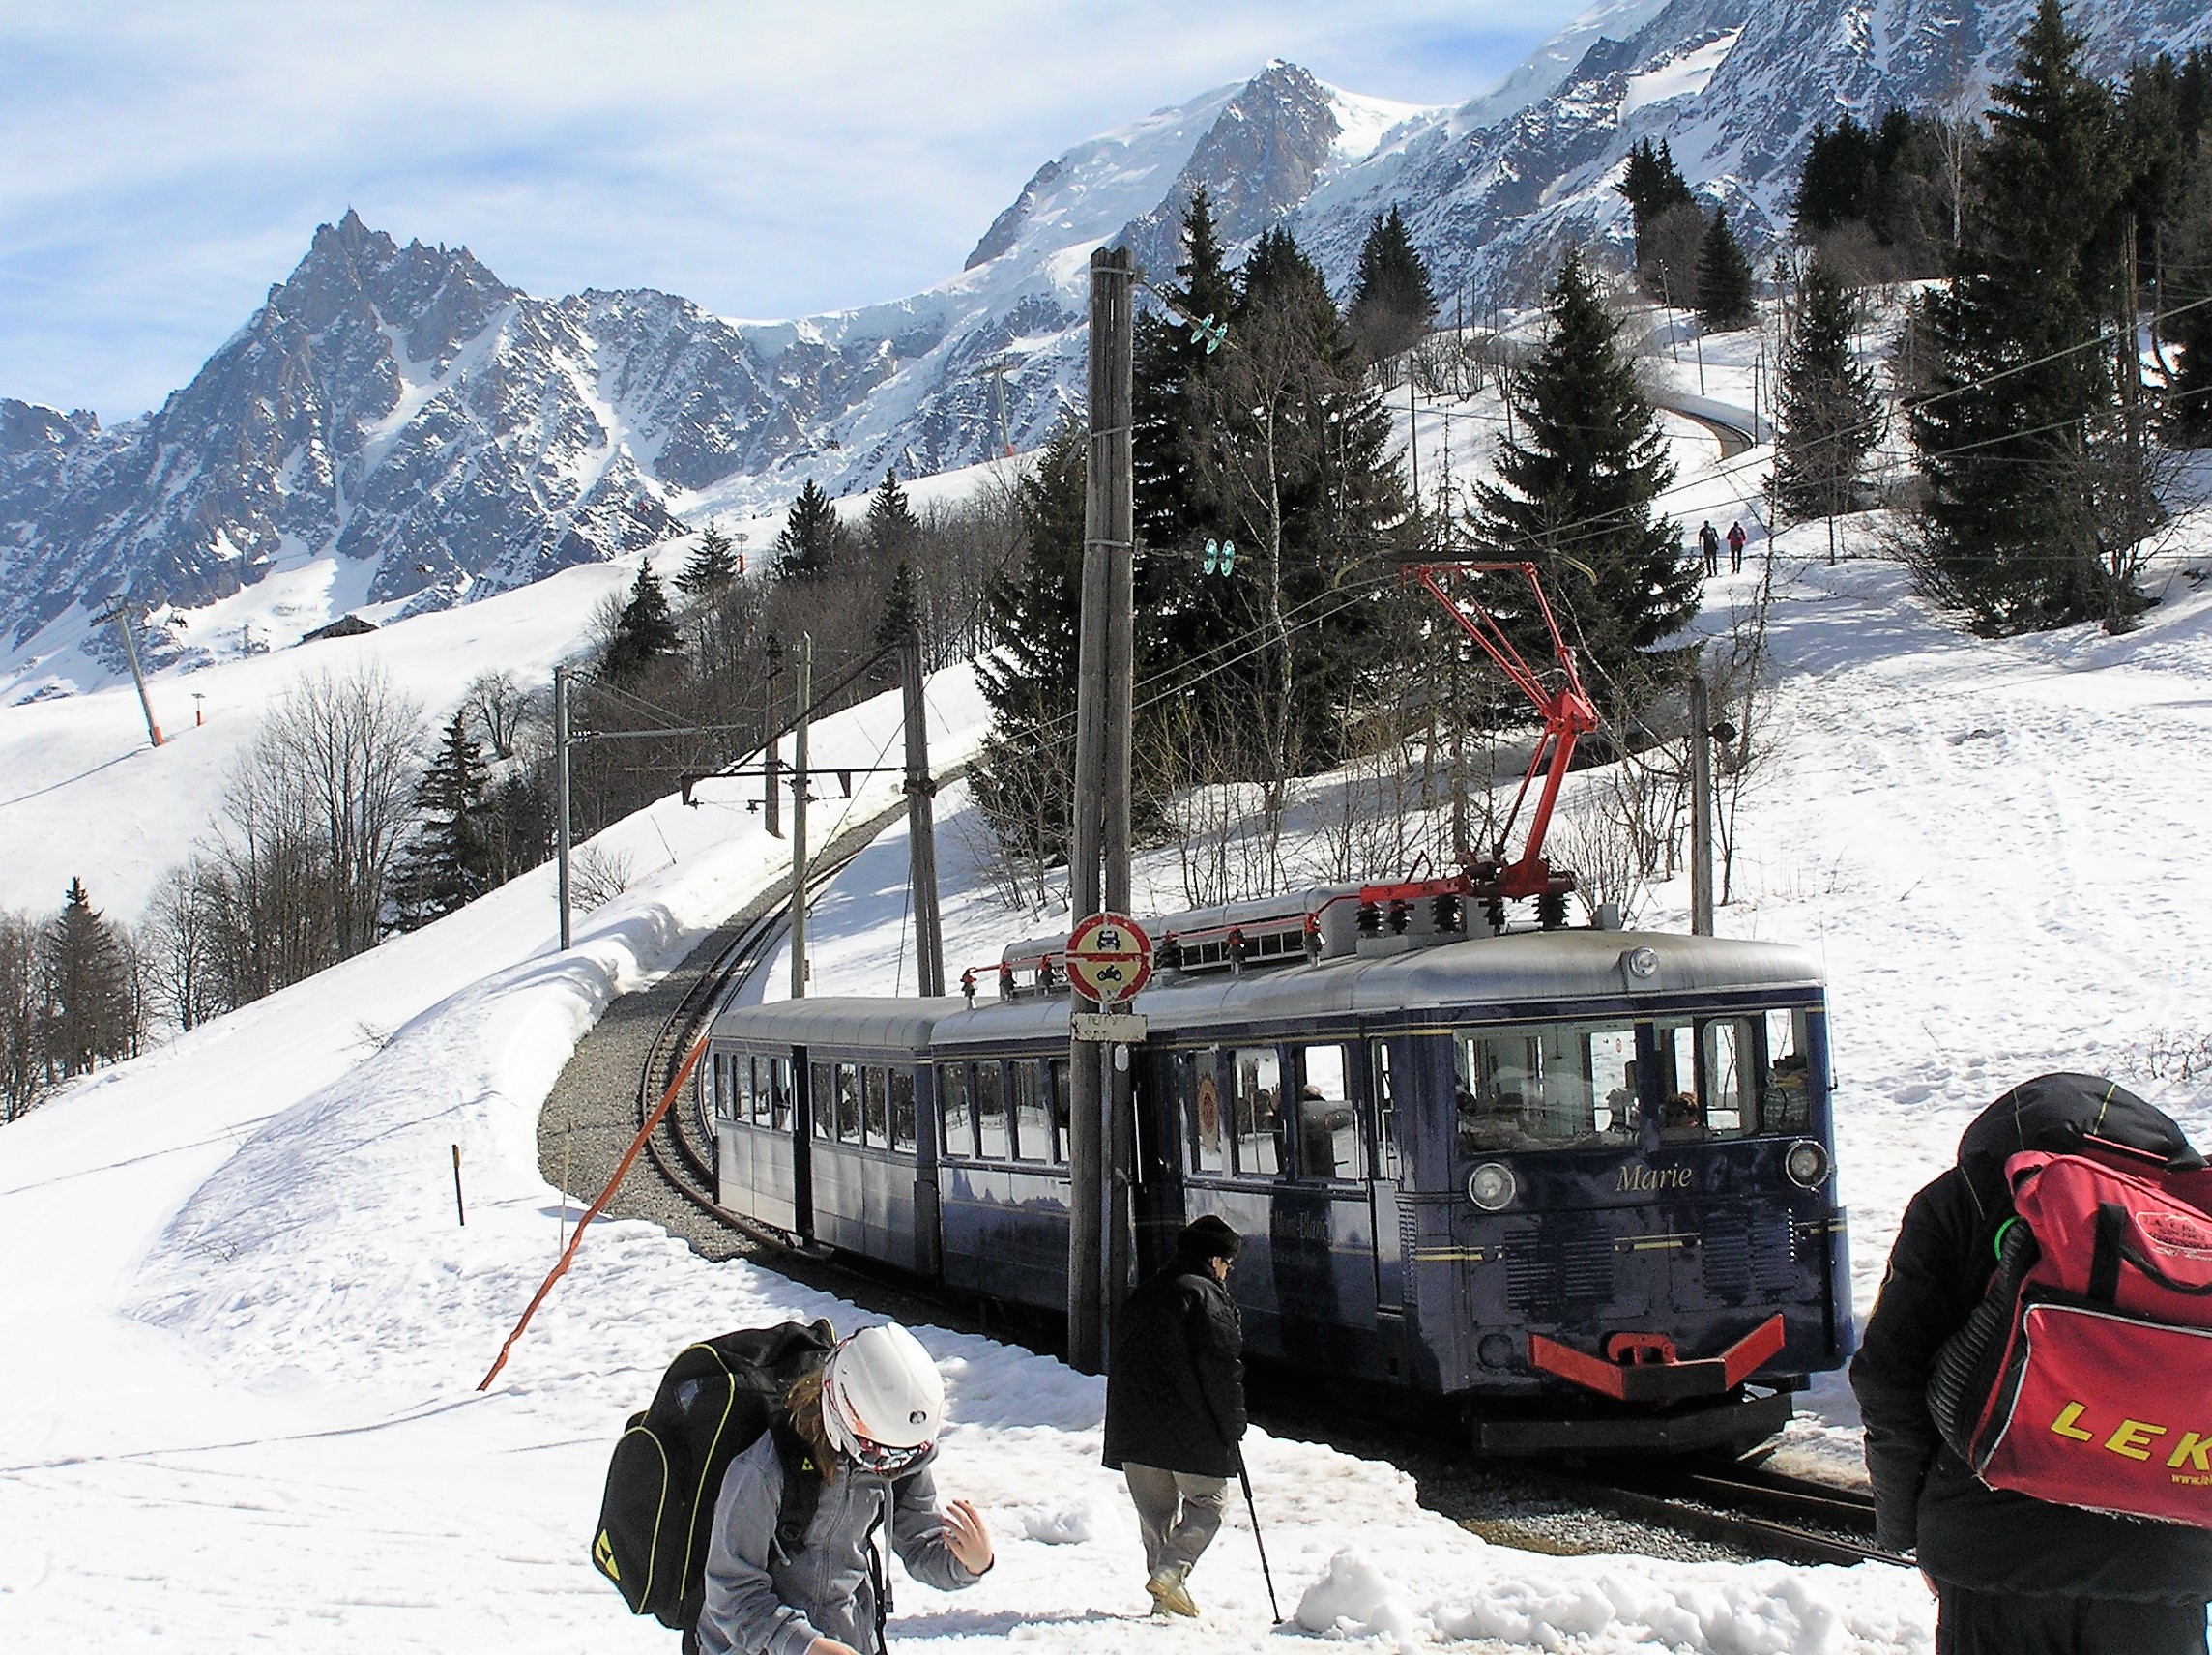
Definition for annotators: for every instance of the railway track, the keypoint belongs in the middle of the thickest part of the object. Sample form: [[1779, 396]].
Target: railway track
[[1791, 1519]]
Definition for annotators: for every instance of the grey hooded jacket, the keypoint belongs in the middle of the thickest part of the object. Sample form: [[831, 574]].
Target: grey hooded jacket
[[760, 1602]]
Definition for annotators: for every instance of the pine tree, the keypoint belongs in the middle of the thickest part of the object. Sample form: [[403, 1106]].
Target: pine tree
[[646, 630], [1025, 772], [88, 989], [1831, 416], [1170, 357], [714, 566], [1579, 482], [2032, 518], [1724, 279], [1652, 184], [450, 863], [808, 544], [1391, 304], [893, 526], [902, 609], [2189, 295], [1294, 457]]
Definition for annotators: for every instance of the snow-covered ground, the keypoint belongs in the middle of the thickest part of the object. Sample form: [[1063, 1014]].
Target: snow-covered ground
[[246, 1327]]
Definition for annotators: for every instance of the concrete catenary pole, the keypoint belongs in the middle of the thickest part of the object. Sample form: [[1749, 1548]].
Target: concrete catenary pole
[[561, 812], [921, 824], [805, 670], [1098, 1199]]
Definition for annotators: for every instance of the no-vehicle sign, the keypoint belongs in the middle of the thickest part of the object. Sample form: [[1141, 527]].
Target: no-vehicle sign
[[1109, 957]]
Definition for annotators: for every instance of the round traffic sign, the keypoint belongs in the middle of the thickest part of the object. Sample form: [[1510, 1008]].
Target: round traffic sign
[[1109, 957]]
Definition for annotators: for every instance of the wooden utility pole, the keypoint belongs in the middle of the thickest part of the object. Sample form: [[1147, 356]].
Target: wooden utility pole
[[1700, 810], [921, 824], [1099, 1159], [799, 779], [771, 763], [561, 809]]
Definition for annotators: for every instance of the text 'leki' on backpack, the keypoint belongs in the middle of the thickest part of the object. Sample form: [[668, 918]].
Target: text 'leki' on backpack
[[716, 1399], [2085, 1377]]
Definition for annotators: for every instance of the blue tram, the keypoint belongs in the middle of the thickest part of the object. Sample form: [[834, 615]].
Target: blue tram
[[1579, 1182]]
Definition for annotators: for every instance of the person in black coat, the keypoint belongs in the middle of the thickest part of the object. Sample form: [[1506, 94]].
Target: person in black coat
[[2012, 1572], [1175, 1404]]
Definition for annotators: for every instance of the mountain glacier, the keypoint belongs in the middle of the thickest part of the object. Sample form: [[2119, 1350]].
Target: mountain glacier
[[438, 434]]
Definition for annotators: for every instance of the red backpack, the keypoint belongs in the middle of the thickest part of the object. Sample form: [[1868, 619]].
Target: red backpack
[[2085, 1377]]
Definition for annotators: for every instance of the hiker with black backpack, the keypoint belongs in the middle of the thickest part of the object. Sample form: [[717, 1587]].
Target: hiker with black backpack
[[2025, 1381], [860, 1431], [742, 1506]]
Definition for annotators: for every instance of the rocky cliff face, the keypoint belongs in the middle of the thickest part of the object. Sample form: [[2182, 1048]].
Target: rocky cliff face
[[442, 435]]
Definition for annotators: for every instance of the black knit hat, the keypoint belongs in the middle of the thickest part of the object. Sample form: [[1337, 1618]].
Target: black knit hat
[[1208, 1238]]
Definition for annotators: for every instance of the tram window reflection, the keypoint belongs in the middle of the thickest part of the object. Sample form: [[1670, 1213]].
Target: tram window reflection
[[1063, 1098], [848, 1103], [990, 1113], [952, 1111], [1259, 1108], [822, 1097], [1544, 1085], [875, 1108], [779, 1092], [1199, 1092], [1032, 1132], [1328, 1131], [1385, 1112], [902, 1109]]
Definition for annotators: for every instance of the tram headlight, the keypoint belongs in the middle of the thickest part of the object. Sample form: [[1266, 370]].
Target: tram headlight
[[1490, 1187], [1807, 1164]]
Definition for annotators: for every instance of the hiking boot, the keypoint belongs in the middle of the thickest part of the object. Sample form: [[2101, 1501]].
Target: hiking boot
[[1168, 1593]]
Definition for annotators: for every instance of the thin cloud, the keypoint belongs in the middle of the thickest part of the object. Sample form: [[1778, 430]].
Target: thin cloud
[[164, 164]]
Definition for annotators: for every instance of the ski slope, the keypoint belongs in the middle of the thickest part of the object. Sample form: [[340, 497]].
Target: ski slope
[[245, 1325]]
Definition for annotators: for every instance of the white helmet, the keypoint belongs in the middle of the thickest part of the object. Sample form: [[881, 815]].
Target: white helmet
[[882, 1399]]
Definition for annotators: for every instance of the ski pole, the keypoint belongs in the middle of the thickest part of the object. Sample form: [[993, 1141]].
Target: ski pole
[[1246, 1477]]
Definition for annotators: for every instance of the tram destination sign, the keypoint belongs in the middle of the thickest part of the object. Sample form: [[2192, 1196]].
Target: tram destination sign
[[1109, 957]]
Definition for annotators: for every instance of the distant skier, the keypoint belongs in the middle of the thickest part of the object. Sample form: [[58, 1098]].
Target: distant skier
[[864, 1423], [1709, 542], [1175, 1404], [1735, 540]]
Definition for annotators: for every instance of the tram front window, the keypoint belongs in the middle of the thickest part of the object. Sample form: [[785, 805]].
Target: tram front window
[[1726, 1077], [1544, 1085]]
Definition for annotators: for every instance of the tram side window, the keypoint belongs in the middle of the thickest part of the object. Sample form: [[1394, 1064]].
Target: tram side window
[[1328, 1131], [990, 1112], [753, 1088], [822, 1097], [1385, 1112], [875, 1108], [1259, 1111], [1198, 1099], [902, 1109], [956, 1124], [1544, 1085], [1033, 1126], [1062, 1097], [779, 1092], [714, 1082]]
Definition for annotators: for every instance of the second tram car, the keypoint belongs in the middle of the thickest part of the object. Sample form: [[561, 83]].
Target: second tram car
[[1581, 1182]]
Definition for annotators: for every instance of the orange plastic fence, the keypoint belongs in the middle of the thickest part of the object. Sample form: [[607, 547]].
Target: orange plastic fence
[[690, 1062]]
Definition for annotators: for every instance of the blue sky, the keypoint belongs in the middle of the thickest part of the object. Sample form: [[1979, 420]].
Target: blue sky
[[162, 164]]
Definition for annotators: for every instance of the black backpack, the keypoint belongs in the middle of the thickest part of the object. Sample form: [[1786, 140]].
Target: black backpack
[[716, 1399]]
